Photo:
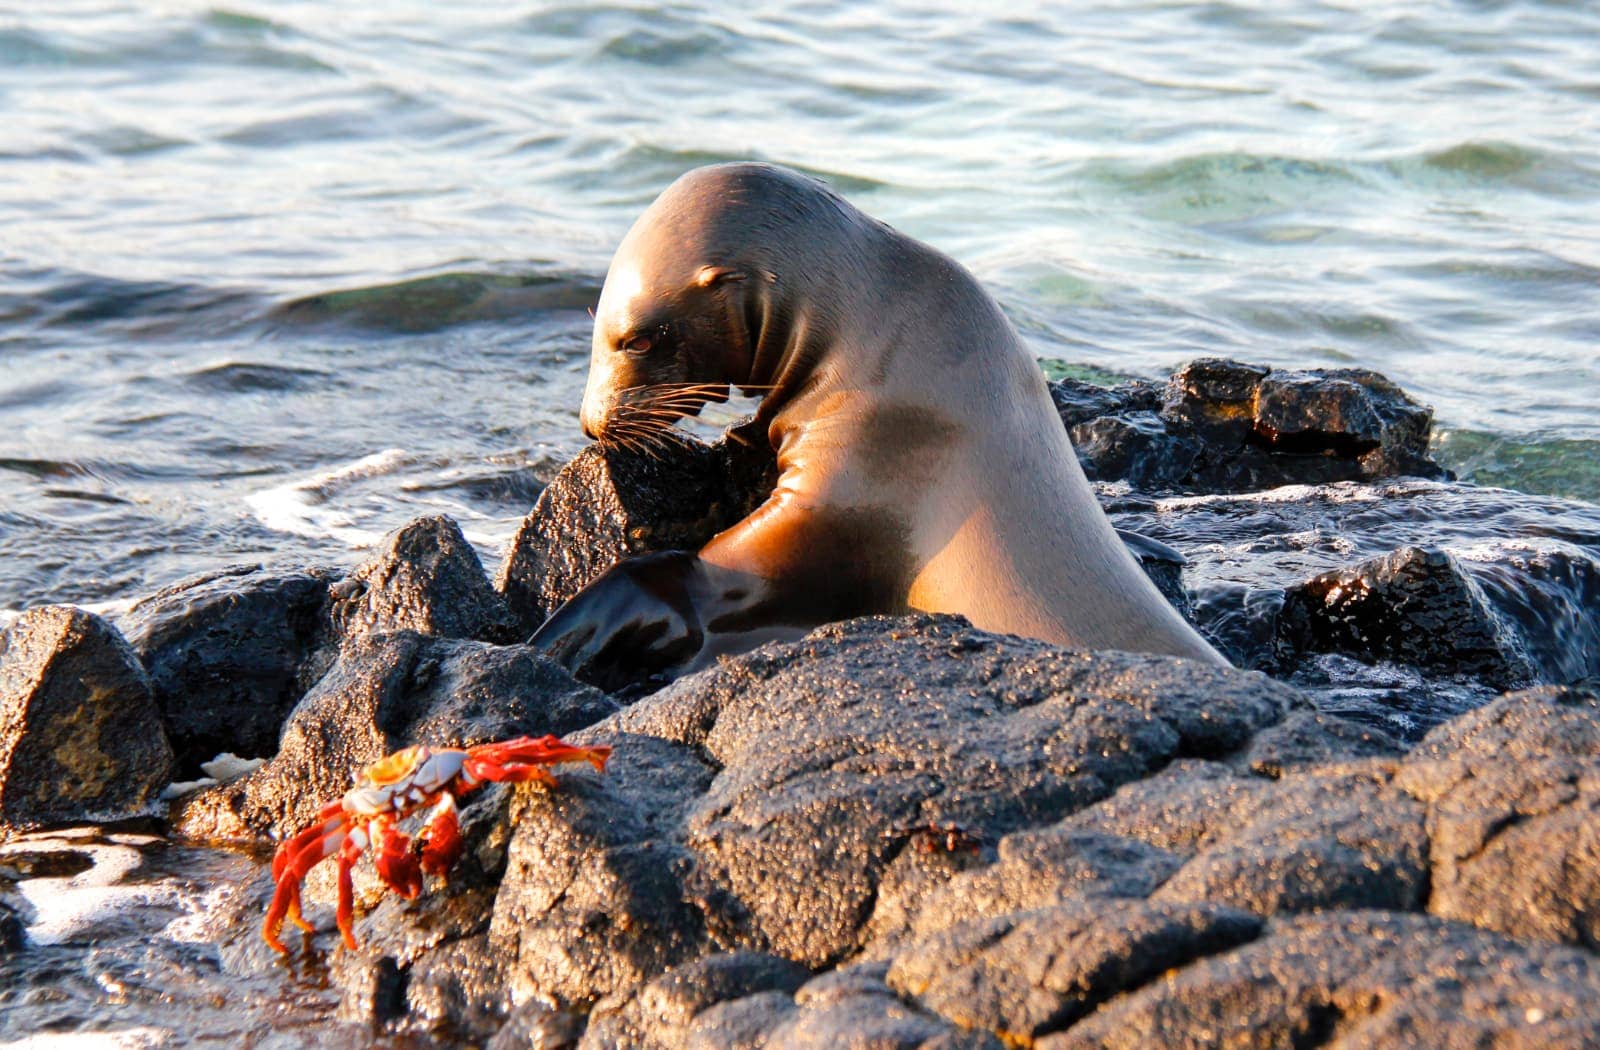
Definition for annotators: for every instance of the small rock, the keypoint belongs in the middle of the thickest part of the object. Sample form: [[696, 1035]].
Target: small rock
[[1078, 402], [1223, 426], [427, 579], [661, 1014], [1414, 606], [80, 735], [1305, 739]]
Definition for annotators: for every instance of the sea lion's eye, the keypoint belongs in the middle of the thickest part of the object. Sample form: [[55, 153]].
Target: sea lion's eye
[[639, 345]]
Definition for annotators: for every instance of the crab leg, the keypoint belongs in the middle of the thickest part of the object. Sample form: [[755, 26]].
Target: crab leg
[[293, 860], [354, 843]]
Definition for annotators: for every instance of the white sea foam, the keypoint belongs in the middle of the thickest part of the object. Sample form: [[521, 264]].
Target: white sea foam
[[306, 507], [1495, 549], [125, 1039], [110, 610]]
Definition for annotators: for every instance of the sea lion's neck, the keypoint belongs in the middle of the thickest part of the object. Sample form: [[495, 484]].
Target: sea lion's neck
[[797, 315]]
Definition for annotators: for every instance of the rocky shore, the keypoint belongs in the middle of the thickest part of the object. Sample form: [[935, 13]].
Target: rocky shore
[[902, 831]]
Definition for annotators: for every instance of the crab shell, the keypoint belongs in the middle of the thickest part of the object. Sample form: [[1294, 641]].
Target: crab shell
[[407, 780]]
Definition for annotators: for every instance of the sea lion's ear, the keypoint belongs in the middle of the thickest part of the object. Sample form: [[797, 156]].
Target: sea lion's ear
[[713, 275]]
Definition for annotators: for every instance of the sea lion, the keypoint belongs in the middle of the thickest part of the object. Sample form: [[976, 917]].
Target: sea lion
[[922, 465]]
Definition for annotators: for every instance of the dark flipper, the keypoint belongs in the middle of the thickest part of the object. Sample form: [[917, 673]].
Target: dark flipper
[[639, 618]]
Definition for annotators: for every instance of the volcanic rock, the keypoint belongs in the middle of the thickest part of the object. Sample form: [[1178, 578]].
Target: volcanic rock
[[230, 654], [80, 735]]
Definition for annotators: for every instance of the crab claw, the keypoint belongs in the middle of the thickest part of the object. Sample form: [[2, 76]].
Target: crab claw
[[397, 865], [521, 759], [442, 844]]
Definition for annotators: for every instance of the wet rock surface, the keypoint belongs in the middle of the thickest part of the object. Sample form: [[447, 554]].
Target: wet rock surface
[[1395, 605], [80, 734], [1413, 606], [1223, 426], [229, 655]]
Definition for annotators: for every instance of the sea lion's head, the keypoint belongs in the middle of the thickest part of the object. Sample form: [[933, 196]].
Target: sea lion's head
[[696, 295]]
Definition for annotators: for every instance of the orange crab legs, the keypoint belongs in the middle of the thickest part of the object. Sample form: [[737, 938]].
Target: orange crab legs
[[387, 792]]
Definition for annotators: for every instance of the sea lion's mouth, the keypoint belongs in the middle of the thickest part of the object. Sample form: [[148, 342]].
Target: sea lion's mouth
[[641, 418]]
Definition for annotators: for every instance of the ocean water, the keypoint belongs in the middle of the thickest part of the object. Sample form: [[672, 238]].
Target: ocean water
[[276, 277]]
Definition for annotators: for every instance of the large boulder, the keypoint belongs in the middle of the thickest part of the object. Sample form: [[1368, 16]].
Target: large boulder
[[768, 804], [230, 654], [80, 734]]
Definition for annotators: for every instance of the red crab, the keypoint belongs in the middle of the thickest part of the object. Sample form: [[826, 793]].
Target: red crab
[[388, 791]]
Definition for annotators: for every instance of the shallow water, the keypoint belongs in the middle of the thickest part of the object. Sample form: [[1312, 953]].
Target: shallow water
[[275, 278]]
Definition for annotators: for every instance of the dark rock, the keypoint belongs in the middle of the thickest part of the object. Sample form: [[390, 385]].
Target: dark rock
[[851, 1007], [1027, 973], [456, 992], [763, 813], [1222, 426], [376, 997], [1522, 576], [609, 504], [1328, 837], [598, 897], [230, 654], [1304, 739], [982, 839], [1137, 448], [426, 579], [533, 1024], [661, 1014], [875, 1021], [1033, 869], [12, 929], [740, 1024], [1360, 979], [1078, 402], [80, 735], [1513, 796], [1546, 722], [389, 691], [1215, 398], [1413, 606]]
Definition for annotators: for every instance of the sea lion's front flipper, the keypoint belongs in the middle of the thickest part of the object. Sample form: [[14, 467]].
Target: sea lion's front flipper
[[662, 615], [638, 618]]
